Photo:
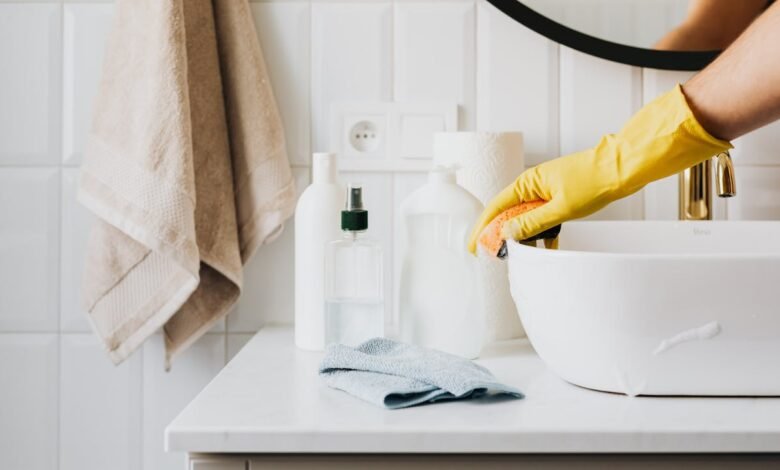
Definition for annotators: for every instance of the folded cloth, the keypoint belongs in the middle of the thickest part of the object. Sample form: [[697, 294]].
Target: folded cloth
[[185, 169], [398, 375]]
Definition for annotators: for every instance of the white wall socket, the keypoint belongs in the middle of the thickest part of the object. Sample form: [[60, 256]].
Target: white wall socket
[[389, 130], [366, 135], [359, 130]]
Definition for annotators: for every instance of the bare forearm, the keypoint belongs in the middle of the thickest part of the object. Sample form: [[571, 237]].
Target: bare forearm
[[711, 25], [740, 90]]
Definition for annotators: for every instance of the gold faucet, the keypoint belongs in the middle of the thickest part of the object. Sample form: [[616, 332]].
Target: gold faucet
[[696, 187]]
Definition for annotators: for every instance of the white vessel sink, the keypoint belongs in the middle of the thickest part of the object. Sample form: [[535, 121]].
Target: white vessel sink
[[656, 308]]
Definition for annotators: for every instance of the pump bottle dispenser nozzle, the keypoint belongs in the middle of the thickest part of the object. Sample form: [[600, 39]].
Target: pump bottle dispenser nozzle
[[354, 218]]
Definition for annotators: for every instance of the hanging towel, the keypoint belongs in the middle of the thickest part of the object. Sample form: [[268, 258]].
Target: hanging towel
[[185, 169], [398, 375]]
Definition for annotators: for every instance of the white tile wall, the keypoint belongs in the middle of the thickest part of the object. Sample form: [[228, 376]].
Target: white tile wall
[[597, 97], [517, 83], [435, 60], [29, 232], [760, 147], [28, 417], [30, 104], [351, 58], [69, 407], [283, 28], [76, 223], [100, 407], [267, 279], [165, 394], [757, 165], [758, 194], [85, 30]]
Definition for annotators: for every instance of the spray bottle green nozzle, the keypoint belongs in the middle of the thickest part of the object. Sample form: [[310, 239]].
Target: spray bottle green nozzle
[[354, 218]]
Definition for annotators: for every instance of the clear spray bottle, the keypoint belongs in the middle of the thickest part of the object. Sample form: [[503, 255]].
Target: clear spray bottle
[[354, 303]]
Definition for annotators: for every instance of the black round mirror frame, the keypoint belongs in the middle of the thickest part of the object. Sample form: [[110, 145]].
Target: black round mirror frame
[[630, 55]]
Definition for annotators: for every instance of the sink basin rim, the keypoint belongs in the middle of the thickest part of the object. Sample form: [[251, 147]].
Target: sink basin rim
[[726, 255]]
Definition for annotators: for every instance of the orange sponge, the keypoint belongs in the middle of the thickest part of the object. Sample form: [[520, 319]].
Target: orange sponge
[[494, 244]]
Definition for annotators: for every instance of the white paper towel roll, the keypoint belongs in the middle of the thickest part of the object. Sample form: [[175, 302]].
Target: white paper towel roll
[[487, 162]]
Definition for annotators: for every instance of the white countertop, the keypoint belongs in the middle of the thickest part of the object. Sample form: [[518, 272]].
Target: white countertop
[[269, 399]]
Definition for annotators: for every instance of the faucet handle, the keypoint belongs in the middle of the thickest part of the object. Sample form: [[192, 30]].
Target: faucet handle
[[726, 184]]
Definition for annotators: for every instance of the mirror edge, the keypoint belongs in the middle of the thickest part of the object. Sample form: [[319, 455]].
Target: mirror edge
[[629, 55]]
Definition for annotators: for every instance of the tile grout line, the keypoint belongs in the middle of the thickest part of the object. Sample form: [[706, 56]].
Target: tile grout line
[[475, 62], [393, 49], [310, 147], [310, 82], [390, 260], [141, 405], [478, 106], [58, 295], [643, 198], [32, 166], [557, 134], [60, 190], [558, 101]]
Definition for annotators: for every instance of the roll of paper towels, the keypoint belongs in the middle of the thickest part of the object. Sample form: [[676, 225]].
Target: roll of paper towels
[[486, 163]]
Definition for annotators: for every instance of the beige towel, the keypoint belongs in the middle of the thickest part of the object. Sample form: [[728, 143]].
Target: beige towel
[[185, 168]]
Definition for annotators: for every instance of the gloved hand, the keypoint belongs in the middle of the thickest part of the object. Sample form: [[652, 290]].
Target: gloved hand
[[662, 139]]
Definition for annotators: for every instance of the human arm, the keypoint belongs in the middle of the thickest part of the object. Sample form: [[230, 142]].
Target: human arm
[[711, 25], [740, 90], [737, 93]]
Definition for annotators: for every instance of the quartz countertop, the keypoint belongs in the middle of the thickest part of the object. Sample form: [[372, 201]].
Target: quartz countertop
[[269, 399]]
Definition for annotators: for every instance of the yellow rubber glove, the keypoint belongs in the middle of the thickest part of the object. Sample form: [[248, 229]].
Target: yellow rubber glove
[[662, 139]]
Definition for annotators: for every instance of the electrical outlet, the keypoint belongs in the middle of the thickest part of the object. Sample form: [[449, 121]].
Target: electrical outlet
[[365, 136], [359, 130], [389, 131]]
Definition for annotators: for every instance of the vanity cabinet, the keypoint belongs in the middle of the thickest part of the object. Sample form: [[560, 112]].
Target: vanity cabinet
[[480, 462], [218, 463], [268, 410]]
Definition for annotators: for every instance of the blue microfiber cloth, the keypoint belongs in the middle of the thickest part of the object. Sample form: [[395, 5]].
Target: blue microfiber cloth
[[395, 375]]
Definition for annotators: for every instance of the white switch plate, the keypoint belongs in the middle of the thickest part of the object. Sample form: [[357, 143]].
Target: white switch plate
[[412, 126], [389, 131]]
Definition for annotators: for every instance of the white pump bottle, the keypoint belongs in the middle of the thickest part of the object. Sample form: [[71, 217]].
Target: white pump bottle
[[439, 301], [316, 223]]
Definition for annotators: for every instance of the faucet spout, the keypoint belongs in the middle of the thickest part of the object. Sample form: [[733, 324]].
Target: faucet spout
[[696, 186], [725, 182], [696, 192]]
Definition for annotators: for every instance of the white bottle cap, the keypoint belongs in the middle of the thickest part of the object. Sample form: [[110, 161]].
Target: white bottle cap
[[442, 174], [324, 168]]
